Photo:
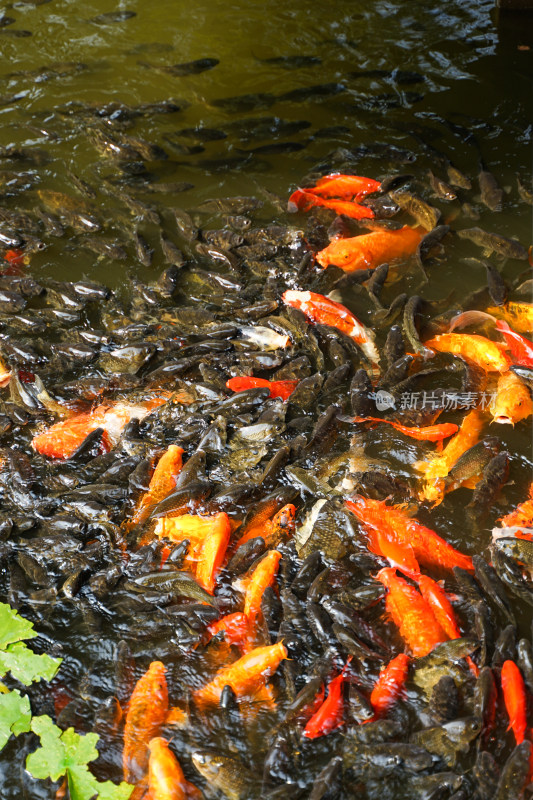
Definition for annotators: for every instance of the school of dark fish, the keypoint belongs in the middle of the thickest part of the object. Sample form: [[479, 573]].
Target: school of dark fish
[[229, 471]]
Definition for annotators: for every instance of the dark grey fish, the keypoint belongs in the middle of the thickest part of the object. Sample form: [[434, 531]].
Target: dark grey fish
[[292, 62], [245, 102], [494, 242], [181, 70], [497, 287], [491, 194], [525, 192], [312, 92], [112, 16], [494, 477], [441, 188], [514, 774], [427, 216]]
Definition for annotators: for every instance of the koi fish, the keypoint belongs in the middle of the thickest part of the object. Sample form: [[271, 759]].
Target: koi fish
[[518, 314], [162, 483], [281, 389], [489, 356], [245, 676], [428, 547], [519, 522], [400, 555], [329, 716], [209, 538], [431, 433], [520, 347], [147, 710], [440, 465], [262, 577], [319, 308], [235, 627], [166, 780], [64, 438], [15, 257], [5, 374], [411, 614], [338, 185], [515, 699], [303, 200], [271, 530], [389, 685], [512, 402], [371, 249]]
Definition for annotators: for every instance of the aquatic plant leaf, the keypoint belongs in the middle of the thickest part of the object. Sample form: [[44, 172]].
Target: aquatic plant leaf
[[68, 753], [13, 627], [27, 666], [15, 715]]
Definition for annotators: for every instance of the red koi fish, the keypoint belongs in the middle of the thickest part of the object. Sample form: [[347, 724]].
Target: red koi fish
[[515, 699], [303, 200], [520, 517], [282, 389], [520, 347], [399, 554], [64, 438], [329, 716], [319, 308], [235, 627], [261, 578], [273, 531], [428, 547], [411, 614], [389, 685], [431, 433]]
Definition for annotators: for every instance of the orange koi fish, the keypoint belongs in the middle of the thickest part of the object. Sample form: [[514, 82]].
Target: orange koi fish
[[262, 577], [319, 308], [428, 547], [147, 710], [399, 554], [515, 699], [64, 438], [209, 538], [5, 374], [235, 627], [338, 185], [522, 514], [512, 402], [488, 355], [271, 530], [329, 716], [246, 676], [518, 314], [162, 483], [440, 465], [389, 685], [303, 200], [431, 433], [520, 347], [166, 780], [411, 614], [369, 250], [282, 389]]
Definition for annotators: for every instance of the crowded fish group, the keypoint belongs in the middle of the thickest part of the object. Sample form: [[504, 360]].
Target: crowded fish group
[[234, 475]]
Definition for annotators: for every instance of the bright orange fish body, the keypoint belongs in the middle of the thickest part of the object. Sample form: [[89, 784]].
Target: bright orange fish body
[[520, 347], [438, 468], [369, 250], [518, 314], [430, 433], [261, 578], [411, 614], [339, 185], [166, 780], [303, 200], [489, 356], [281, 389], [522, 514], [64, 438], [235, 627], [428, 547], [389, 685], [245, 676], [512, 402], [147, 711], [319, 308], [515, 699], [271, 530], [162, 483]]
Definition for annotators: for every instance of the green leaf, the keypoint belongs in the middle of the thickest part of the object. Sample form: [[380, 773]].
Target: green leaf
[[15, 715], [13, 627], [68, 753], [25, 665]]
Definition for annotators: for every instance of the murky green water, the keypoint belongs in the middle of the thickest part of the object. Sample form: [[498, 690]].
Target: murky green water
[[423, 79]]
